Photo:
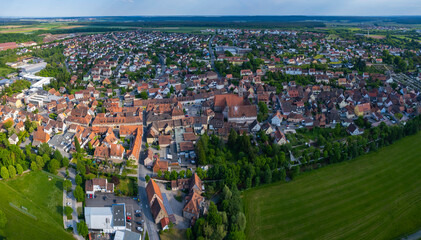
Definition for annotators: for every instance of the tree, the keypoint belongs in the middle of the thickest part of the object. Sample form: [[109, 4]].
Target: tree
[[79, 194], [4, 173], [53, 166], [226, 193], [44, 148], [236, 235], [65, 162], [34, 166], [241, 221], [82, 228], [295, 171], [19, 169], [68, 211], [189, 234], [159, 173], [147, 178], [40, 162], [78, 180], [80, 166], [189, 173], [67, 185], [57, 155], [174, 175], [3, 219], [267, 177], [263, 112], [167, 175], [8, 124], [12, 171], [77, 145], [144, 95]]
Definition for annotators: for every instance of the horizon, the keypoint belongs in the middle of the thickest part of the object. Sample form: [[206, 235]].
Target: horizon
[[213, 16], [150, 8]]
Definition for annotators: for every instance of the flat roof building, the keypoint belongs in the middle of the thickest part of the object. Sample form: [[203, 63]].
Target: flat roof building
[[106, 219]]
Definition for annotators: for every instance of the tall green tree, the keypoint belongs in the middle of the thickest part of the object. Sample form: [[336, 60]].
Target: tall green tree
[[12, 171], [19, 169], [79, 194], [82, 228], [77, 144], [4, 173]]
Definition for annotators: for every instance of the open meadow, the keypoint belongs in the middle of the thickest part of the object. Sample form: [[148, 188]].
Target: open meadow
[[376, 196], [33, 206]]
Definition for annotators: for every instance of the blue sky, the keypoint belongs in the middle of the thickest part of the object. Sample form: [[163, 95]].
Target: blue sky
[[57, 8]]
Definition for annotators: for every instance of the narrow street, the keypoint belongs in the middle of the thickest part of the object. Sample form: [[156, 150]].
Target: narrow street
[[212, 55], [69, 197], [149, 225]]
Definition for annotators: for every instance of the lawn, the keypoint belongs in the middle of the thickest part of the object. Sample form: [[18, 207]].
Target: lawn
[[377, 196], [173, 234], [39, 207], [4, 71], [127, 187]]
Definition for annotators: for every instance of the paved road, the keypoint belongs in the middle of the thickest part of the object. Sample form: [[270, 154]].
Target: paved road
[[74, 205], [149, 225], [415, 236], [212, 53], [119, 65], [163, 67]]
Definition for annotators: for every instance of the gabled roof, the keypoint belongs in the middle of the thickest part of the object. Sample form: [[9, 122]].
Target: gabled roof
[[152, 189]]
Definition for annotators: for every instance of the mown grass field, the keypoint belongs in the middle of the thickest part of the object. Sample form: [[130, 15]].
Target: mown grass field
[[377, 196], [43, 200]]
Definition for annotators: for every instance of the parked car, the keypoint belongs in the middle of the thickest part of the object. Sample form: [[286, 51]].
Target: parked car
[[139, 223], [129, 218], [139, 229], [138, 211], [137, 214]]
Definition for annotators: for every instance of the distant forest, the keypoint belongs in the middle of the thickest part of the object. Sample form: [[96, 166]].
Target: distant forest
[[220, 24]]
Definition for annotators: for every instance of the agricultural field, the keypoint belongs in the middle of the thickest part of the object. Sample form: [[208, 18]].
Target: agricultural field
[[33, 206], [376, 196], [35, 27]]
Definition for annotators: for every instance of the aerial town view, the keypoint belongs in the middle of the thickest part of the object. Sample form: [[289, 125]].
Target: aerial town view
[[222, 120]]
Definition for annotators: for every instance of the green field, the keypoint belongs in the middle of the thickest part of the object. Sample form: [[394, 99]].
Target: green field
[[43, 199], [5, 71], [377, 196]]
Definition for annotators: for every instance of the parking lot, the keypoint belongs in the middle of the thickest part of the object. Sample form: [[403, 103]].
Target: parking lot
[[133, 219], [61, 142], [192, 110]]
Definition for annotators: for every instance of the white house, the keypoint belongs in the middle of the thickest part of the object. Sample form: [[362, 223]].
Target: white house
[[277, 119]]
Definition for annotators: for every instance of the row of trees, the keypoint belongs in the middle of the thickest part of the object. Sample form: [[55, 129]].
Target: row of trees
[[242, 163]]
